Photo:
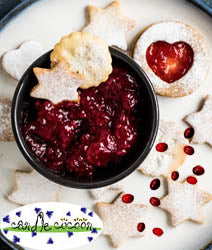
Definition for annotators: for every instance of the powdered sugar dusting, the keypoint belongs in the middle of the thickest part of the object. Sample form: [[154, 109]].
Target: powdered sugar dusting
[[57, 84], [15, 62], [6, 133], [171, 32], [201, 122], [184, 202], [87, 55], [26, 185], [120, 219], [160, 163], [109, 24], [97, 193]]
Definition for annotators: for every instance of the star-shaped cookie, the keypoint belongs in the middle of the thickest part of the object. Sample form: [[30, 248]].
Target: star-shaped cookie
[[201, 122], [57, 84], [98, 192], [26, 184], [162, 162], [121, 220], [185, 202], [109, 24]]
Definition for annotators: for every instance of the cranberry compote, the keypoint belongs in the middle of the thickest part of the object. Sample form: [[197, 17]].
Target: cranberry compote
[[76, 138]]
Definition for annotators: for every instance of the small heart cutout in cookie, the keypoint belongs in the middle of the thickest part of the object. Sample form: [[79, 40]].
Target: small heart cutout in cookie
[[169, 61]]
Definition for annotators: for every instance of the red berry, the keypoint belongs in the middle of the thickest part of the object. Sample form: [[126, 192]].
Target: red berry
[[189, 132], [154, 201], [157, 231], [127, 198], [141, 227], [161, 147], [198, 170], [175, 175], [192, 180], [155, 184], [189, 150]]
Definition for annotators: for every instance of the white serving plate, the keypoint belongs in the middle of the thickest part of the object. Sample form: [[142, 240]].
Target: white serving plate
[[47, 21]]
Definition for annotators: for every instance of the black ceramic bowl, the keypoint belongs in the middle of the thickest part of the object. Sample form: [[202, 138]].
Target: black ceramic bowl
[[148, 110]]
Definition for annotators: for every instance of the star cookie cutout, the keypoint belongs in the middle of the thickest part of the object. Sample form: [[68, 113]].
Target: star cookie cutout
[[26, 184], [162, 162], [185, 202], [121, 219], [201, 122], [109, 24], [97, 193], [57, 84]]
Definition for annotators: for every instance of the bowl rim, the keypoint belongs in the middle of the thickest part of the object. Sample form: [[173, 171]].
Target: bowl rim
[[120, 55]]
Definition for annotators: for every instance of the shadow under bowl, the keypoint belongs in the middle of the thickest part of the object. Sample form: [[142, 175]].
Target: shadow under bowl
[[148, 114]]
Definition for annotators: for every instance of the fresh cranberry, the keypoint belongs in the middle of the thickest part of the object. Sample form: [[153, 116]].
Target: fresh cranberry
[[191, 180], [161, 147], [157, 231], [189, 132], [169, 61], [141, 227], [155, 184], [198, 170], [127, 198], [154, 201], [189, 150], [175, 175]]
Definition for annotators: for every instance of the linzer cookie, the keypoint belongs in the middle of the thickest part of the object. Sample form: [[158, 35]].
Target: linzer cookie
[[122, 218], [109, 24], [185, 201], [167, 153], [15, 62], [201, 122], [6, 133], [97, 193], [175, 56], [86, 55], [26, 184]]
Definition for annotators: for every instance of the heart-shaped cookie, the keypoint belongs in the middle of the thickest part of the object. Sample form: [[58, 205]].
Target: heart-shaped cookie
[[15, 62], [169, 61]]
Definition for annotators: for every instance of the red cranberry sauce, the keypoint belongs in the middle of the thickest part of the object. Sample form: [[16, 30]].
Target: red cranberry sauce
[[78, 137]]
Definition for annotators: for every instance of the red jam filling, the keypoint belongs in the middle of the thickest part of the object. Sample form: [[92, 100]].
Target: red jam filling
[[77, 138], [169, 61]]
